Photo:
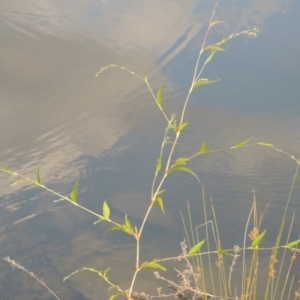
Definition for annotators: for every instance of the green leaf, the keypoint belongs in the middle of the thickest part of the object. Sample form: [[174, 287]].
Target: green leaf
[[160, 203], [104, 274], [171, 123], [265, 144], [116, 227], [183, 169], [224, 252], [73, 194], [223, 40], [123, 228], [209, 58], [160, 192], [158, 165], [202, 81], [257, 241], [153, 265], [215, 23], [203, 148], [293, 244], [213, 47], [105, 210], [181, 160], [38, 175], [167, 140], [128, 224], [196, 248], [183, 125], [159, 96], [242, 144], [114, 295]]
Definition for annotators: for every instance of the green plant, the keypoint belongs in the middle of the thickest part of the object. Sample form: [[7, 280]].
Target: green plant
[[195, 282]]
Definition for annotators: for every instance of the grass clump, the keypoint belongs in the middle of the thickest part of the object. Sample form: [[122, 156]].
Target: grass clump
[[207, 270]]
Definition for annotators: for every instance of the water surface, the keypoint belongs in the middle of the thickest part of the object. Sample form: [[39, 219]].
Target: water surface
[[107, 130]]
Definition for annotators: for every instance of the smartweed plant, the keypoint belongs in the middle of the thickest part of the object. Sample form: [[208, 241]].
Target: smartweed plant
[[216, 281]]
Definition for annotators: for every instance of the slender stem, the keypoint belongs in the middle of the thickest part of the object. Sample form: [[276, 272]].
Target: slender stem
[[20, 267], [63, 198], [281, 227], [244, 252], [156, 173], [145, 80], [197, 64]]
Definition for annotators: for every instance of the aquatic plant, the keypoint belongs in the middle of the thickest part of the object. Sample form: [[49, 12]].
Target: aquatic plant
[[197, 281]]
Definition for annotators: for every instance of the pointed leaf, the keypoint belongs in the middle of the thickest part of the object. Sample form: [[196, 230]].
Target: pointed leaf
[[112, 287], [215, 23], [183, 125], [209, 58], [242, 144], [158, 165], [257, 241], [159, 96], [181, 160], [203, 148], [183, 169], [153, 265], [160, 192], [265, 144], [171, 123], [73, 194], [224, 252], [202, 81], [160, 203], [38, 175], [128, 224], [293, 244], [105, 210], [214, 47], [116, 227], [169, 142], [105, 273], [196, 248], [114, 295]]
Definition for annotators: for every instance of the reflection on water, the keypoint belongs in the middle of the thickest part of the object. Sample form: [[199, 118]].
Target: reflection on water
[[106, 130]]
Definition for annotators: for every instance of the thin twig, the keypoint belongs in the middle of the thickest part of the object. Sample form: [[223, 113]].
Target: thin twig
[[15, 264]]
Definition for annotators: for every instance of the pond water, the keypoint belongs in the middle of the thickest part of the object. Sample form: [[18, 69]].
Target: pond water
[[107, 130]]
